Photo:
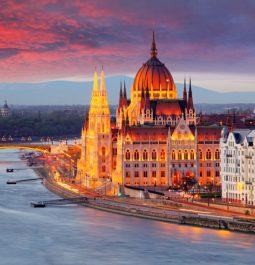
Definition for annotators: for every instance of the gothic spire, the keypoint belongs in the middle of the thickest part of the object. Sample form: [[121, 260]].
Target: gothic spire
[[120, 98], [102, 83], [154, 50], [95, 84], [185, 91], [190, 90], [125, 92], [190, 98]]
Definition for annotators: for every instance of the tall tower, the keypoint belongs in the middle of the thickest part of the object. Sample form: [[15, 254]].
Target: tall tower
[[96, 136], [190, 112]]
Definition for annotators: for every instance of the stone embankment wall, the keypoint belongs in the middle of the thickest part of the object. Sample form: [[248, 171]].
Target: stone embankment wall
[[180, 218]]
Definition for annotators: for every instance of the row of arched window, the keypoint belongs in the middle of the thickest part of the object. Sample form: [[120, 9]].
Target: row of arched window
[[176, 155], [179, 155], [145, 155], [209, 154]]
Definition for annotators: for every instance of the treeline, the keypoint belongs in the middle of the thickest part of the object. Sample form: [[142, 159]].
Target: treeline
[[56, 123]]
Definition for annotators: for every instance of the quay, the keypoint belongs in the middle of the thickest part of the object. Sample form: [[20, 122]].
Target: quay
[[153, 211]]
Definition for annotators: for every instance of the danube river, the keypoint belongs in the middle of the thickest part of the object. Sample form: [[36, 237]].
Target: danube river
[[76, 235]]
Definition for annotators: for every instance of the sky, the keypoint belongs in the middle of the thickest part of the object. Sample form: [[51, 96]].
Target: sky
[[211, 41]]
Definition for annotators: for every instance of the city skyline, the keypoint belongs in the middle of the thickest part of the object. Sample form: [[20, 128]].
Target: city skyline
[[59, 40]]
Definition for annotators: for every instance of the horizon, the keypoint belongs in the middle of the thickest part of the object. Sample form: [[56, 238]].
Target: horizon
[[62, 40], [122, 78]]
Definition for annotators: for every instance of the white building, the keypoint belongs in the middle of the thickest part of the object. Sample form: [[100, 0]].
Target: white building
[[5, 111], [238, 165]]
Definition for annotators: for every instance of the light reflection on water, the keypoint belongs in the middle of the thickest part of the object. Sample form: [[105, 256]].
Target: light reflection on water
[[77, 235]]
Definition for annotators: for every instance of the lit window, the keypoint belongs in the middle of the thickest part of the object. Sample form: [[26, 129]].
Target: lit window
[[127, 155], [162, 174], [103, 151], [217, 154], [179, 155], [200, 154], [154, 155], [136, 155], [186, 157], [145, 155], [208, 154], [173, 155], [162, 154], [192, 156]]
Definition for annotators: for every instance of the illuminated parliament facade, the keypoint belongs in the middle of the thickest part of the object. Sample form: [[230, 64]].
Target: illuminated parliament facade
[[155, 140]]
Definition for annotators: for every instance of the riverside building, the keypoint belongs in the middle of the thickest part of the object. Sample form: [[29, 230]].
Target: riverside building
[[155, 139], [238, 165]]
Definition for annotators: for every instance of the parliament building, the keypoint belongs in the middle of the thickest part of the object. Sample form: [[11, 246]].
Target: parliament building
[[156, 138]]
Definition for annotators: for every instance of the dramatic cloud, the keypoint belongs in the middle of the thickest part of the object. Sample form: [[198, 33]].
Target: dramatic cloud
[[54, 39]]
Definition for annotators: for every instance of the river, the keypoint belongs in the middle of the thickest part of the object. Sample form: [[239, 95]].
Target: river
[[63, 235]]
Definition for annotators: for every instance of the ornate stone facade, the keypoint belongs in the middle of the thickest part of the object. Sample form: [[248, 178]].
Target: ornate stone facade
[[155, 140]]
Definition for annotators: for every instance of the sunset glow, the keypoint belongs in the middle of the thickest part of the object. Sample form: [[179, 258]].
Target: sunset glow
[[53, 39]]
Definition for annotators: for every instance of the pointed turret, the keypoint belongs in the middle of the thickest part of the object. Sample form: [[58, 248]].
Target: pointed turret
[[95, 91], [125, 103], [102, 83], [185, 91], [103, 91], [125, 91], [154, 50], [95, 83], [121, 97], [190, 98]]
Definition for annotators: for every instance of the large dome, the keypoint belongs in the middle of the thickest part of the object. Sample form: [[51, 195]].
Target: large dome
[[155, 77]]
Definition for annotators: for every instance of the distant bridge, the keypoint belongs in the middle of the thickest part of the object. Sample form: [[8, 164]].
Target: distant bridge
[[44, 148]]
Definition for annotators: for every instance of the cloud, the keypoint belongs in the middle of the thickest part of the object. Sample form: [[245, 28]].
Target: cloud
[[52, 38], [8, 52]]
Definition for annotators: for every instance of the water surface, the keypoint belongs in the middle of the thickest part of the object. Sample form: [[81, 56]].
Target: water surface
[[66, 235]]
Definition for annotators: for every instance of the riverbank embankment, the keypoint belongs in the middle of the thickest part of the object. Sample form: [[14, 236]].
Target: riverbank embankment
[[139, 210]]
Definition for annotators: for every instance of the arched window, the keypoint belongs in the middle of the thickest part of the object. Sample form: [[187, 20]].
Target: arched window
[[136, 155], [186, 156], [208, 154], [145, 155], [200, 154], [173, 155], [162, 154], [217, 154], [103, 151], [192, 155], [154, 155], [127, 155], [179, 155]]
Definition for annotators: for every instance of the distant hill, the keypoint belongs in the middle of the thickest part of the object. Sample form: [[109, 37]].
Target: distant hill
[[72, 93]]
